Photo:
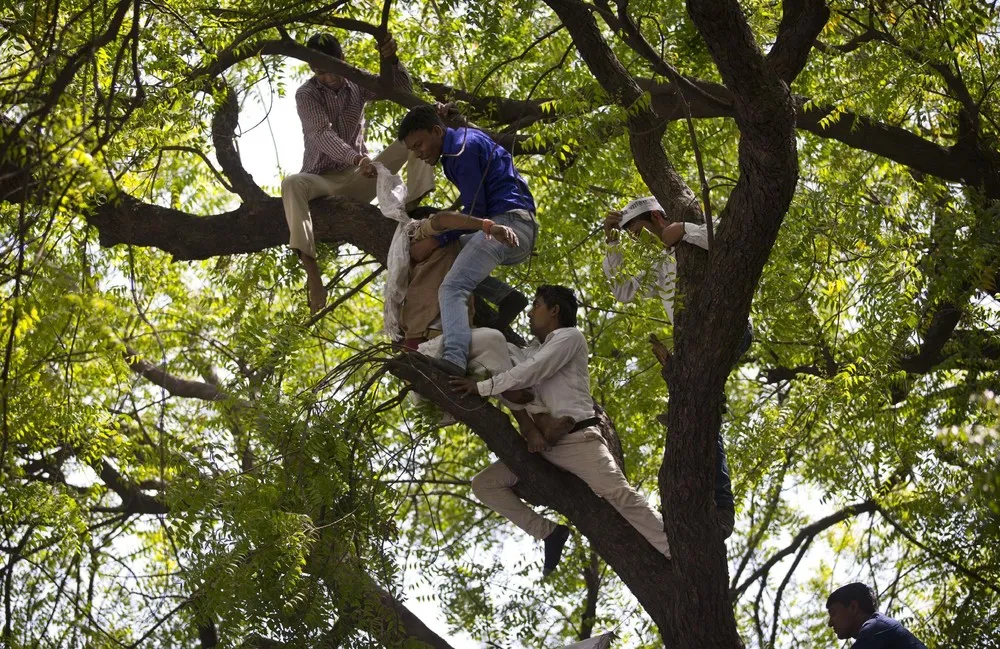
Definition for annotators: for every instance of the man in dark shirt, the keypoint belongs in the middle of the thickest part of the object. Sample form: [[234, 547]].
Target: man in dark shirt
[[494, 194], [852, 610]]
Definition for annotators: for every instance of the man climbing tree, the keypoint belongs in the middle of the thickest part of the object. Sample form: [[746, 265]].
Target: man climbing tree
[[645, 214], [490, 188], [335, 161], [555, 369]]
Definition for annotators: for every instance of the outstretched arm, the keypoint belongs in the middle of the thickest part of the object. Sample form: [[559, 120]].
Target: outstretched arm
[[444, 221], [566, 344]]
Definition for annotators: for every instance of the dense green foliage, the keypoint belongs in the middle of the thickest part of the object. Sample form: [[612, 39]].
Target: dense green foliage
[[298, 460]]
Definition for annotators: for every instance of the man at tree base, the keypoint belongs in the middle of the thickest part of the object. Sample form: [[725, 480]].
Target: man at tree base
[[646, 214], [555, 368], [335, 160], [853, 614], [491, 189]]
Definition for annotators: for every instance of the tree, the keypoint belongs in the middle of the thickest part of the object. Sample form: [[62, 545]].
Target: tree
[[856, 166]]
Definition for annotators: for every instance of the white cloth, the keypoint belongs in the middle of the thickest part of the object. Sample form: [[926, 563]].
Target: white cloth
[[557, 372], [489, 354], [298, 189], [586, 455], [391, 194], [664, 271], [602, 641]]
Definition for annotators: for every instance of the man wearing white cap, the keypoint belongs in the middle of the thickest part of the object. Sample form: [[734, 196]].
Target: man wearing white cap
[[646, 214]]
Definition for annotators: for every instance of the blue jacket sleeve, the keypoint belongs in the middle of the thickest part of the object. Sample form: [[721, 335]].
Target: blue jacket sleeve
[[470, 174]]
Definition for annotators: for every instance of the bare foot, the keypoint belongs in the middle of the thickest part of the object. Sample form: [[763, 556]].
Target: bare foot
[[555, 429], [530, 433], [314, 282], [536, 442]]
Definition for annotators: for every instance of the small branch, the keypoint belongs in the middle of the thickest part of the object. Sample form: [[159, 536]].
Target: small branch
[[532, 45], [208, 163], [806, 535], [176, 386], [940, 555]]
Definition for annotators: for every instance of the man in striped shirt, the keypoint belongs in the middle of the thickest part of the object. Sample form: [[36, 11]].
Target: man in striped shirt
[[336, 161]]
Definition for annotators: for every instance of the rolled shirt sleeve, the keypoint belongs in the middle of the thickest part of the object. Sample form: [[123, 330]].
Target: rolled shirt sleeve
[[696, 234], [549, 359], [623, 287]]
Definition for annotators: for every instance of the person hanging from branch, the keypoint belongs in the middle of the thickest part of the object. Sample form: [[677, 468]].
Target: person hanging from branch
[[495, 200], [336, 161], [555, 370], [646, 214]]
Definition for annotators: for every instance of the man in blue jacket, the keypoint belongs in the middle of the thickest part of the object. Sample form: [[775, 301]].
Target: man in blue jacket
[[853, 614], [495, 200]]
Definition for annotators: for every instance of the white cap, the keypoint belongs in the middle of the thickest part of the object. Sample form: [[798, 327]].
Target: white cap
[[638, 207]]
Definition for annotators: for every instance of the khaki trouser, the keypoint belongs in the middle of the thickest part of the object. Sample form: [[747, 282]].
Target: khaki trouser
[[584, 454], [298, 189]]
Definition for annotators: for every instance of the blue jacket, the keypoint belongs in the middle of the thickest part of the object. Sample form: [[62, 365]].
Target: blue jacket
[[881, 632], [484, 173]]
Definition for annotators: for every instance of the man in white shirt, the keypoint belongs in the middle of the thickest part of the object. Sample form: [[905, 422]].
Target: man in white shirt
[[646, 214], [555, 369]]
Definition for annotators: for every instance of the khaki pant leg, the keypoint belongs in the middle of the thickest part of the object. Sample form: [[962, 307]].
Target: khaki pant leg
[[296, 192], [364, 189], [585, 454], [419, 174], [492, 487]]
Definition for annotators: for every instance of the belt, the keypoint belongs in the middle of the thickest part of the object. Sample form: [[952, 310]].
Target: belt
[[585, 423]]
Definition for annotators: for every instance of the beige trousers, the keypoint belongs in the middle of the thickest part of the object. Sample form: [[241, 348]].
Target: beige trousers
[[298, 189], [584, 454]]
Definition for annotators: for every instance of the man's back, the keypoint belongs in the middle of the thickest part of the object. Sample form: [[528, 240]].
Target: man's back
[[484, 173], [881, 632]]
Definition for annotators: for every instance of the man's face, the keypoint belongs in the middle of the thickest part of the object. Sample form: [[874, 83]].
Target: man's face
[[328, 78], [426, 144], [637, 225], [541, 317], [843, 619]]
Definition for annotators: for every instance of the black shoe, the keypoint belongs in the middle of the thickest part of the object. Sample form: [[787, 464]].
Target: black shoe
[[554, 543], [446, 366], [508, 309]]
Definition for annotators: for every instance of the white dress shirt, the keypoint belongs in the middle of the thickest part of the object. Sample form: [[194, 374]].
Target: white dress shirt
[[556, 370], [665, 269]]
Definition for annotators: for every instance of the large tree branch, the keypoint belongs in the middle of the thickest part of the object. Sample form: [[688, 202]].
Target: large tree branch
[[801, 23], [643, 569], [224, 123], [248, 228], [645, 127]]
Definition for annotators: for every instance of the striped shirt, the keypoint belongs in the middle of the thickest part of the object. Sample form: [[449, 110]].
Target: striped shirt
[[333, 122]]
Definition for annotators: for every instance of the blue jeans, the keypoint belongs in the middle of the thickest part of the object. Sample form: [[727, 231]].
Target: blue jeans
[[723, 484], [477, 260]]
